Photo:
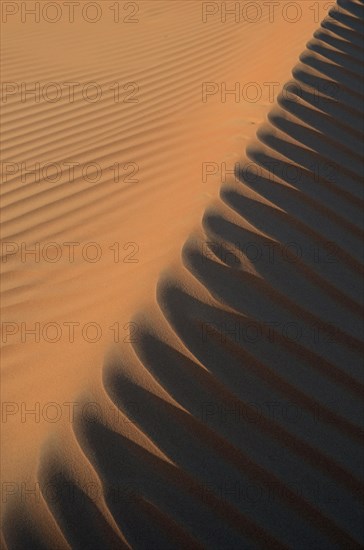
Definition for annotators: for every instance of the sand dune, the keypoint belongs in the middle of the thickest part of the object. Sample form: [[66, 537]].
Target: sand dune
[[232, 415]]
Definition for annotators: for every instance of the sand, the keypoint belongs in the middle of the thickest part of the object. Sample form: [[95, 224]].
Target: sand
[[193, 378]]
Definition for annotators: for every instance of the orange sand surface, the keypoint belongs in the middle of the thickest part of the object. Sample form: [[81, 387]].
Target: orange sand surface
[[150, 255]]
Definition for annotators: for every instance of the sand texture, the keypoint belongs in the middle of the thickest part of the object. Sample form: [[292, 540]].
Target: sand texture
[[221, 405]]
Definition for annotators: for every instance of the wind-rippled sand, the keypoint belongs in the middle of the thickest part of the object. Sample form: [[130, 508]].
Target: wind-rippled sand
[[221, 406]]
